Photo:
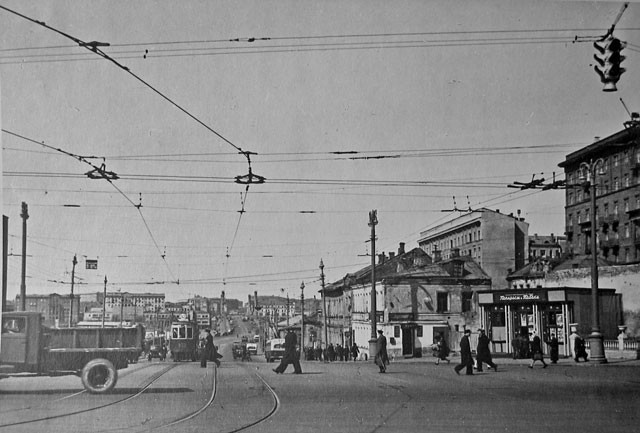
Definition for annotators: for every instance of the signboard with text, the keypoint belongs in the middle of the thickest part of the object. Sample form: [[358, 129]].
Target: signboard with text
[[519, 297]]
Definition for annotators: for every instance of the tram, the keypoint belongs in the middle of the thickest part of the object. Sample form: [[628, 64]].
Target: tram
[[184, 340]]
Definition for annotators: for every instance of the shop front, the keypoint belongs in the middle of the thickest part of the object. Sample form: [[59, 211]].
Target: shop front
[[513, 317]]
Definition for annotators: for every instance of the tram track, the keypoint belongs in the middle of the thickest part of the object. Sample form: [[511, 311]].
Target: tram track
[[144, 386]]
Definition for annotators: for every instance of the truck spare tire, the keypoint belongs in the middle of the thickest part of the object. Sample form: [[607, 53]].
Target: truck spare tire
[[99, 376]]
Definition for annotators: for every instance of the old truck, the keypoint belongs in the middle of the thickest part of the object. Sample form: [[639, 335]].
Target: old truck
[[28, 348]]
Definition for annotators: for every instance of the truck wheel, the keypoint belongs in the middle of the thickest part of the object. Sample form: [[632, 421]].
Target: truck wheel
[[99, 376]]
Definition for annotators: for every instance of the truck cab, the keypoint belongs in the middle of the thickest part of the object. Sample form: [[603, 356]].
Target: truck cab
[[20, 341]]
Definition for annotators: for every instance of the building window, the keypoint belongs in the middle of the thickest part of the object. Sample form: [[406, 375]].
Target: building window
[[396, 331], [626, 205], [626, 181], [626, 231], [615, 208], [419, 331], [467, 301], [442, 302], [615, 160]]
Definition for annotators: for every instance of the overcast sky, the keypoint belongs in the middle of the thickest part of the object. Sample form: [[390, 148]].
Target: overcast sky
[[349, 106]]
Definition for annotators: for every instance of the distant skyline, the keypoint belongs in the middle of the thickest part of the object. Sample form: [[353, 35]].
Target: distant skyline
[[412, 108]]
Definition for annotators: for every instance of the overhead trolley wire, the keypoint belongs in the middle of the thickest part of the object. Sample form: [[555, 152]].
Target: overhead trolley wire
[[101, 171]]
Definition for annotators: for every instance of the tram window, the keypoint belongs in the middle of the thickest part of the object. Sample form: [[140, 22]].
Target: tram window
[[175, 333], [182, 332], [189, 333]]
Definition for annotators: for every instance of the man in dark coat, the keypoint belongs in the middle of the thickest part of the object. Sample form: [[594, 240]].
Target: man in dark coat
[[483, 352], [290, 354], [207, 350], [382, 358], [465, 354]]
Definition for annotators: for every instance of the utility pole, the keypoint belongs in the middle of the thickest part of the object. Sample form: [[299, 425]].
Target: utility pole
[[104, 301], [5, 245], [73, 278], [324, 306], [23, 284], [373, 221], [302, 318], [121, 307]]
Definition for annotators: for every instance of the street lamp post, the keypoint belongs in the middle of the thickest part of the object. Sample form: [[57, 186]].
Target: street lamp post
[[596, 340], [324, 304]]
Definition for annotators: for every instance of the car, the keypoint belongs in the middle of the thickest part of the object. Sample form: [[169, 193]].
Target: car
[[252, 348], [158, 349], [236, 350], [274, 349]]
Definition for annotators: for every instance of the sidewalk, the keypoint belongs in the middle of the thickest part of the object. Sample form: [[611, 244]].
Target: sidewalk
[[625, 358]]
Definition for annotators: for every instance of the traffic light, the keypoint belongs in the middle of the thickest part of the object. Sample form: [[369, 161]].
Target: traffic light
[[609, 59]]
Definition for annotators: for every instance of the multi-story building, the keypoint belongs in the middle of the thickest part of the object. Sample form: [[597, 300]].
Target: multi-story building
[[497, 242], [129, 306], [543, 246], [417, 299], [55, 308], [616, 177]]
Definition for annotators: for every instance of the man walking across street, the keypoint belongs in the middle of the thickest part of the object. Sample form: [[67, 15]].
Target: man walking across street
[[465, 354], [290, 354], [207, 350], [382, 359], [483, 352]]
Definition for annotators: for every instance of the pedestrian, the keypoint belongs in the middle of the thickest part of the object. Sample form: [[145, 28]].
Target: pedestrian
[[207, 350], [536, 352], [466, 360], [483, 352], [442, 350], [339, 354], [290, 354], [580, 349], [515, 346], [331, 353], [354, 351], [382, 359], [553, 348]]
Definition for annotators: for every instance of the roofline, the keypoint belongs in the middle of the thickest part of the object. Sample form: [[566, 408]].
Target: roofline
[[620, 138]]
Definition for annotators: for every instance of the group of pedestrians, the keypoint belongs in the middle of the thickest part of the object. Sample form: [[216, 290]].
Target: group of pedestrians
[[332, 353], [483, 353]]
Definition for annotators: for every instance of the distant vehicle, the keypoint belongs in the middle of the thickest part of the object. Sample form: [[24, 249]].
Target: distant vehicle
[[184, 341], [252, 348], [236, 350], [29, 348], [256, 338], [158, 349], [274, 349]]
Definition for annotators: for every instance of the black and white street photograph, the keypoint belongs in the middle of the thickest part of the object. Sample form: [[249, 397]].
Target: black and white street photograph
[[355, 216]]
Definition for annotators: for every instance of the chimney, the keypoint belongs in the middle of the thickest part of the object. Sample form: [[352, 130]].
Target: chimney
[[497, 210], [401, 249], [455, 252], [381, 258], [391, 254]]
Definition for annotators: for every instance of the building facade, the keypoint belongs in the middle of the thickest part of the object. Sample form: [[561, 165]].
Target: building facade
[[617, 196], [55, 308], [543, 246], [497, 242], [417, 299]]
